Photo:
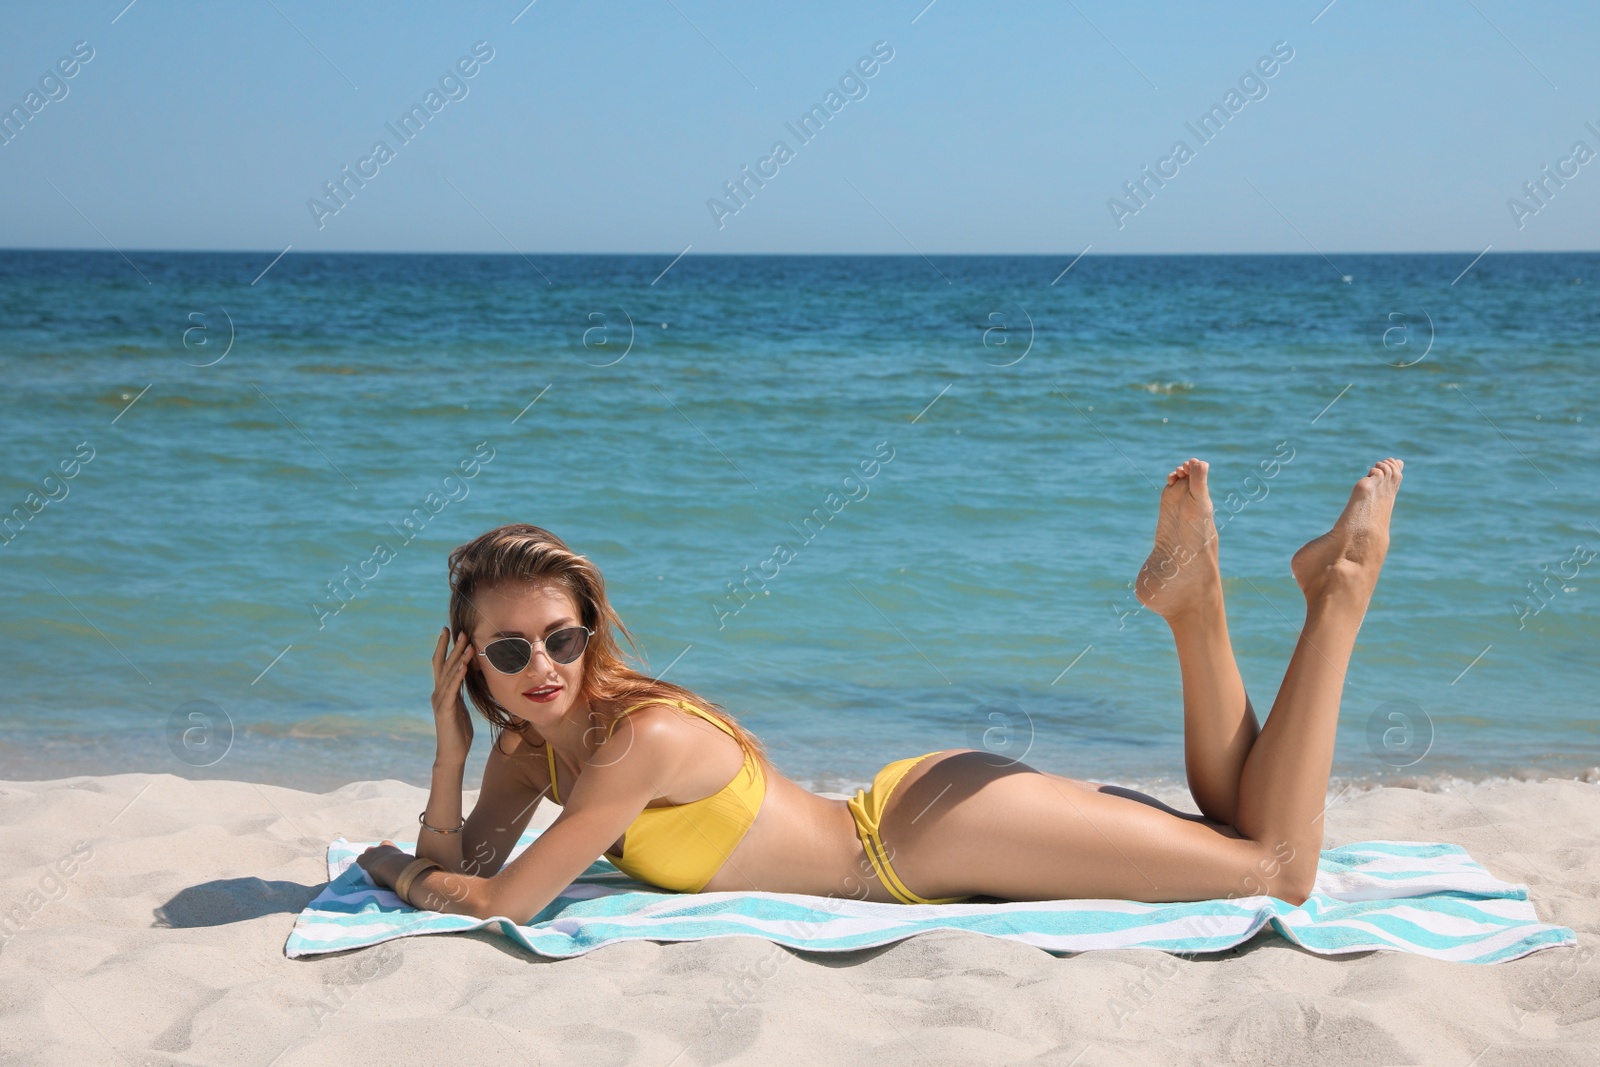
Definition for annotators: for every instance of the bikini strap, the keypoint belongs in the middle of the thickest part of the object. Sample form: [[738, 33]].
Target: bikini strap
[[550, 753]]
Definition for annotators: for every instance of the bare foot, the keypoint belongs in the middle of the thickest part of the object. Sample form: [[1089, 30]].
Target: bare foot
[[1349, 556], [1181, 572]]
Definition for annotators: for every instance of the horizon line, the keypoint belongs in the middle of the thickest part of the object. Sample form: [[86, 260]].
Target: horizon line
[[751, 255]]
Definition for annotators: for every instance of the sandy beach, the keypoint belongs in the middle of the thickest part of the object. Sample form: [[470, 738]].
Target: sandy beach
[[146, 916], [864, 382]]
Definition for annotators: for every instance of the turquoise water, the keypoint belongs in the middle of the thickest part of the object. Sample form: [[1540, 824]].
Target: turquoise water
[[168, 603]]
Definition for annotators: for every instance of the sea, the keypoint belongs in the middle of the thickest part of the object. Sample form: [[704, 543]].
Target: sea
[[872, 505]]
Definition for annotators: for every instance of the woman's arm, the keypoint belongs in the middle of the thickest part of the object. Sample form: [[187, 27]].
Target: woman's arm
[[452, 725], [528, 884], [506, 803], [443, 811], [616, 785]]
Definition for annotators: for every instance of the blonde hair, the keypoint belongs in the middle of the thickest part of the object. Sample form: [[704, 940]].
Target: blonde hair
[[518, 552]]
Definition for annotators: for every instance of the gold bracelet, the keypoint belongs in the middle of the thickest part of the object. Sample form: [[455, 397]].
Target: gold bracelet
[[402, 884], [423, 817]]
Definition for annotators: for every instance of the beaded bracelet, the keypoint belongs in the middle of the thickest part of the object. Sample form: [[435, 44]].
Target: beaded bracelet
[[422, 818]]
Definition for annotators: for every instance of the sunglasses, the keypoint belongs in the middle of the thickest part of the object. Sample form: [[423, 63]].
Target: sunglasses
[[511, 655]]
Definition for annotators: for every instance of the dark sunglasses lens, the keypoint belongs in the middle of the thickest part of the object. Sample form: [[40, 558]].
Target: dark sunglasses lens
[[508, 655], [567, 645]]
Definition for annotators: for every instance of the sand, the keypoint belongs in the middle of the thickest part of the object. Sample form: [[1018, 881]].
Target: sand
[[153, 912]]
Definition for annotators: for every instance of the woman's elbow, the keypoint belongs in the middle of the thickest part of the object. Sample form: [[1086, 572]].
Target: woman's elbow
[[445, 853], [453, 893], [500, 901], [493, 902]]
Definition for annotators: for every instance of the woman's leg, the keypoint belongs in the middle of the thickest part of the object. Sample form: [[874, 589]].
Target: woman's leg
[[1182, 582], [1284, 787], [969, 826]]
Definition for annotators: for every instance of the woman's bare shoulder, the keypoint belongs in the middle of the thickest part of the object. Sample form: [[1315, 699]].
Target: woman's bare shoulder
[[511, 743], [665, 718]]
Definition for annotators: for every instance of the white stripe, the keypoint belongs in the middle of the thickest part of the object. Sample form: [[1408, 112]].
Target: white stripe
[[1506, 908], [1434, 922], [1354, 893], [1470, 951]]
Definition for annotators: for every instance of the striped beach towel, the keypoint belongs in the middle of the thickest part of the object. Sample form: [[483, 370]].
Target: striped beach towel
[[1399, 896]]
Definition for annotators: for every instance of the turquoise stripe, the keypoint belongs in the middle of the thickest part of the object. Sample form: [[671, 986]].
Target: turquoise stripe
[[1419, 849]]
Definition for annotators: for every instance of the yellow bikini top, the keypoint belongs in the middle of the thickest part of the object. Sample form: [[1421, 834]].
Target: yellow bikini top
[[681, 846]]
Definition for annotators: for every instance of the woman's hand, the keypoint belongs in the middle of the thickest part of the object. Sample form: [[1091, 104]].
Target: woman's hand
[[383, 863], [451, 722], [459, 894]]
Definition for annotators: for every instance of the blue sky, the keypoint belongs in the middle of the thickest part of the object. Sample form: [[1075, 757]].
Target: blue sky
[[610, 127]]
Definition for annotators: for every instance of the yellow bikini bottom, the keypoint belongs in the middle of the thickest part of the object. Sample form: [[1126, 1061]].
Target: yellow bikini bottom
[[866, 807]]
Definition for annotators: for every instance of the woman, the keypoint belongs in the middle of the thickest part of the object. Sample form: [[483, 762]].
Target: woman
[[676, 793]]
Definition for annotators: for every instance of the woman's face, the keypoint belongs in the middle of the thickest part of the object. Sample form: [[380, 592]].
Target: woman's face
[[533, 611]]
